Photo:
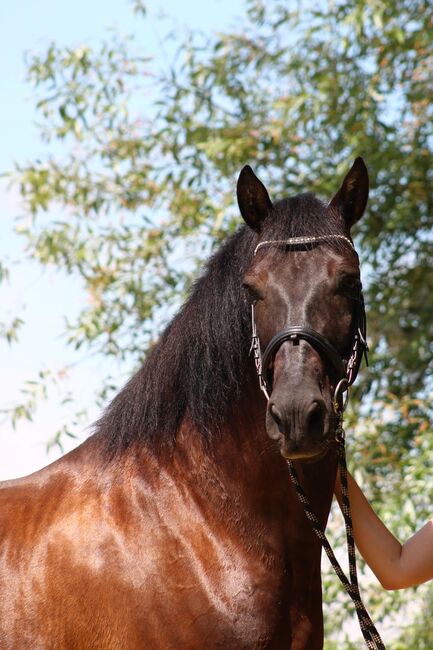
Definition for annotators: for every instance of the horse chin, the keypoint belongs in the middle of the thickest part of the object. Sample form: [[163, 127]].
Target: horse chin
[[312, 455]]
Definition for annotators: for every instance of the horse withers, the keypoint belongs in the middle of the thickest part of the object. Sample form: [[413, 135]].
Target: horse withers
[[175, 525]]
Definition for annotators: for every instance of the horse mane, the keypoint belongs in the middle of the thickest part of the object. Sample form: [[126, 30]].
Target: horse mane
[[201, 359]]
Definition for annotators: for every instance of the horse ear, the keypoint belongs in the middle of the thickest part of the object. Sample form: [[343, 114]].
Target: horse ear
[[253, 198], [351, 198]]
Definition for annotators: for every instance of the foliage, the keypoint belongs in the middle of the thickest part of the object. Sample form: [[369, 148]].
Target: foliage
[[141, 179], [419, 634]]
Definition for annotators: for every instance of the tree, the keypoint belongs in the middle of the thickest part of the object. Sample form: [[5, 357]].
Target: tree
[[144, 187]]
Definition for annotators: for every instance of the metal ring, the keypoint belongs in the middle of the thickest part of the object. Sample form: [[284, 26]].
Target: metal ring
[[342, 386]]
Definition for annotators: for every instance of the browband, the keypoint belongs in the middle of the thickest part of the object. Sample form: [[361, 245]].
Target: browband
[[299, 241]]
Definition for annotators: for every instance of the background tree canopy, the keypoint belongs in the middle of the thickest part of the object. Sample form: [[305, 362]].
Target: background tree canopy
[[141, 168]]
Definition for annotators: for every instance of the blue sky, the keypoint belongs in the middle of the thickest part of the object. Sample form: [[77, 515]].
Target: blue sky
[[44, 297]]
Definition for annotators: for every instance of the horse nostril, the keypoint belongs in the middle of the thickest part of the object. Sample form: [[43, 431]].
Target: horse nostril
[[276, 416], [315, 419]]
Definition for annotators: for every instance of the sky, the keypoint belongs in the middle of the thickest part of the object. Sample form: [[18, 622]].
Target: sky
[[44, 297]]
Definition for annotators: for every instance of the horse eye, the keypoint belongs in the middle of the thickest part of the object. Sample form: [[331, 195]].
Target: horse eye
[[349, 284], [253, 294]]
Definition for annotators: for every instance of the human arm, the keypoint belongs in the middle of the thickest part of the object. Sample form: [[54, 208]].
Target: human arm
[[396, 566]]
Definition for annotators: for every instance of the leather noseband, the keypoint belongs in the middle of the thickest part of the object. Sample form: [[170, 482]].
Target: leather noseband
[[316, 340]]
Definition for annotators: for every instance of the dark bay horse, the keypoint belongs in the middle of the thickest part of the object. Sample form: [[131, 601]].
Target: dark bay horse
[[175, 526]]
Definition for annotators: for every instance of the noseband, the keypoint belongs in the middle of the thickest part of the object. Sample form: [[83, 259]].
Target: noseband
[[346, 370]]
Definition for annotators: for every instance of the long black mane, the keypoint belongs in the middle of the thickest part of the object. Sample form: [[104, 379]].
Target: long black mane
[[199, 364]]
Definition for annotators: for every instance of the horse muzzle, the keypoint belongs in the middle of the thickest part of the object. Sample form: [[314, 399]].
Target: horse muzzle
[[301, 425]]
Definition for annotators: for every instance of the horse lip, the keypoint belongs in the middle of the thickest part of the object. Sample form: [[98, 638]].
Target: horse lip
[[307, 456]]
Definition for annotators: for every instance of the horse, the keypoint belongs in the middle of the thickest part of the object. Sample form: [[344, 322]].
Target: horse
[[175, 524]]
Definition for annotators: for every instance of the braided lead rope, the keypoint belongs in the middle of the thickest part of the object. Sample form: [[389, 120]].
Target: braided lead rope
[[369, 632], [347, 515]]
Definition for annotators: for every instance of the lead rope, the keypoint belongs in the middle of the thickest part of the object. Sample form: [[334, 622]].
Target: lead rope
[[369, 632]]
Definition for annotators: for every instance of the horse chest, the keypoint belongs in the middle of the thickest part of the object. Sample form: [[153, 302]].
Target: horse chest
[[217, 593], [202, 581], [130, 569]]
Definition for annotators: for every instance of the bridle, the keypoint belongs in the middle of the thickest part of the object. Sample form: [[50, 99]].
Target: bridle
[[345, 371]]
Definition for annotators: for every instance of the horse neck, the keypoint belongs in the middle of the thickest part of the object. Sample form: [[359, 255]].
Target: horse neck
[[239, 463], [244, 461], [239, 466]]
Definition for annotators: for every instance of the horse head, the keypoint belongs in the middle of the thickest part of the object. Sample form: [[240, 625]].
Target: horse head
[[305, 278]]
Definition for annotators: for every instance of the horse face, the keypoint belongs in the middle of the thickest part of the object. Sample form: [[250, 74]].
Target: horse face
[[314, 288], [310, 286]]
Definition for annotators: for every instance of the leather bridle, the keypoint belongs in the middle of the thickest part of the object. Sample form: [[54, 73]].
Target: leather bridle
[[346, 370]]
